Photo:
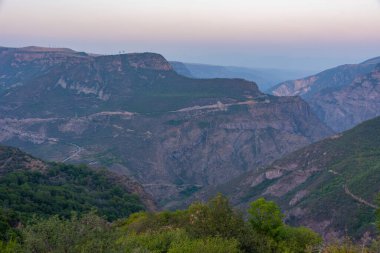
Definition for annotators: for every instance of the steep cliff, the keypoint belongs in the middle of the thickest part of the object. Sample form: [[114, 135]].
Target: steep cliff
[[350, 105]]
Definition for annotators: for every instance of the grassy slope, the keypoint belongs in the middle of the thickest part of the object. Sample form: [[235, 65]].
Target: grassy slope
[[353, 159], [358, 165]]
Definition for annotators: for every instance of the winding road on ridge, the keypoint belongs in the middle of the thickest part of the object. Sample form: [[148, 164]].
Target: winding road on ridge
[[353, 196], [77, 151]]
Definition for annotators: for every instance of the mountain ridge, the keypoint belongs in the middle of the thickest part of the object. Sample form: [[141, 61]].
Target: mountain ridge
[[265, 78], [340, 95]]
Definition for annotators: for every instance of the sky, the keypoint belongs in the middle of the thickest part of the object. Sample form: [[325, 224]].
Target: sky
[[291, 34]]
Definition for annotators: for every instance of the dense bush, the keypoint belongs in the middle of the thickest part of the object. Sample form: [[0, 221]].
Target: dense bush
[[8, 221], [87, 234]]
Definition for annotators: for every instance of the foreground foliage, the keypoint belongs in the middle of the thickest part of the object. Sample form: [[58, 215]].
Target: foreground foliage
[[213, 227]]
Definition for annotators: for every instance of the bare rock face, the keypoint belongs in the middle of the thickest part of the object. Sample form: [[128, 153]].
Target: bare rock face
[[133, 114], [342, 97], [352, 104], [149, 61]]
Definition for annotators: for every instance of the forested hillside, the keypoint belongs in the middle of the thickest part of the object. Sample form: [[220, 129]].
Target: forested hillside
[[31, 188]]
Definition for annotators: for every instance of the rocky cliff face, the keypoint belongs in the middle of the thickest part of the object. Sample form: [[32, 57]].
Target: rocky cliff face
[[135, 115], [346, 107], [342, 97], [330, 186]]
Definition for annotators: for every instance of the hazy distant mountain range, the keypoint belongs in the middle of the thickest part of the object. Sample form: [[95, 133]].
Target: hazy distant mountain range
[[265, 78], [343, 96]]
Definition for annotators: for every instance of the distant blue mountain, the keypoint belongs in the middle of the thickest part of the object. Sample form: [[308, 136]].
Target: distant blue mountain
[[265, 78]]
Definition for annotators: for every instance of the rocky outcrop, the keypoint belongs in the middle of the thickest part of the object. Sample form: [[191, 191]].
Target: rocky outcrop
[[148, 61], [342, 97]]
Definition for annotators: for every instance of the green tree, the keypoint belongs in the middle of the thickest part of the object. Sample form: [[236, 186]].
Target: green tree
[[265, 217], [216, 218], [297, 240], [154, 241], [11, 246], [147, 222], [8, 221]]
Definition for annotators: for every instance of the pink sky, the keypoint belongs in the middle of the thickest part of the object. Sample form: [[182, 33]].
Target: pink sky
[[270, 33]]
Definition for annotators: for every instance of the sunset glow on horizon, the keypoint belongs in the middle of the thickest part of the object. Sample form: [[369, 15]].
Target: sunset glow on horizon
[[271, 33]]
